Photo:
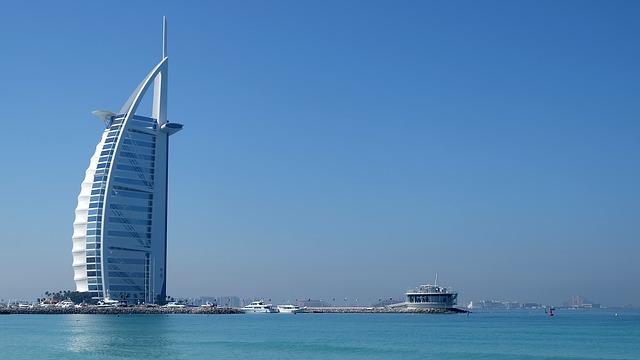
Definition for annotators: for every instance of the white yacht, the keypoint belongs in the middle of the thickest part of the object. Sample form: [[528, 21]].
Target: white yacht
[[258, 307], [290, 309], [66, 304], [107, 302], [174, 304]]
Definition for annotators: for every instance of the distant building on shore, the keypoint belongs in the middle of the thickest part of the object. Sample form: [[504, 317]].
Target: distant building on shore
[[503, 305], [120, 228], [431, 297], [580, 302]]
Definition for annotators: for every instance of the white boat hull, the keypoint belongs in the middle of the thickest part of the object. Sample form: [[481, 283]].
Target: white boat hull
[[258, 307], [257, 311], [291, 309]]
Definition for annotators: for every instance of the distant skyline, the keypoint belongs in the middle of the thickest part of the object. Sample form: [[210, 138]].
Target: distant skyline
[[342, 148]]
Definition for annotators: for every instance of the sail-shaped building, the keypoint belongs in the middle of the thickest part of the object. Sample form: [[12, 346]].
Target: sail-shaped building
[[120, 228]]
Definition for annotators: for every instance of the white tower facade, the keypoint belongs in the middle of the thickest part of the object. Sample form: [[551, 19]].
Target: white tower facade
[[120, 229]]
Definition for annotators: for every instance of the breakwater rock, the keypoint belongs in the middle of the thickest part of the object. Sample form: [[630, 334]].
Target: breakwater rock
[[214, 310], [382, 310], [121, 310]]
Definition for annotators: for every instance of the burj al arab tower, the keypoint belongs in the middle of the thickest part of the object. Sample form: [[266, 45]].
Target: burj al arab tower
[[120, 228]]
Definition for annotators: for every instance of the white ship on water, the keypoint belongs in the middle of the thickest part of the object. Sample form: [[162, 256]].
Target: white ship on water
[[257, 307], [290, 309]]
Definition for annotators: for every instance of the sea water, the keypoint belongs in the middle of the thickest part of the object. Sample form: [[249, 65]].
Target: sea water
[[521, 334]]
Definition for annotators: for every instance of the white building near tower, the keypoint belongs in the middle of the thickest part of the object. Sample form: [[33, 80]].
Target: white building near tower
[[120, 228]]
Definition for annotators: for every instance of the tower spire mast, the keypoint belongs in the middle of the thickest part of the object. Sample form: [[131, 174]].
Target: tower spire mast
[[164, 37]]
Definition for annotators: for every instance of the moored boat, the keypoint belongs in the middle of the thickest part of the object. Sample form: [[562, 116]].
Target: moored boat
[[289, 309], [258, 307], [107, 302], [66, 304], [174, 304]]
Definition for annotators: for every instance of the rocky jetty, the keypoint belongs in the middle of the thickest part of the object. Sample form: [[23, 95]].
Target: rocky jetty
[[382, 310], [120, 310], [212, 310]]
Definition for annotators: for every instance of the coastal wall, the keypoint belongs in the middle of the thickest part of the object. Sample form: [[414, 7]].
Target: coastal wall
[[383, 310], [118, 310], [211, 310]]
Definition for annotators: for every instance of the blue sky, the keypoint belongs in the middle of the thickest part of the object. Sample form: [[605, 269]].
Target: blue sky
[[342, 148]]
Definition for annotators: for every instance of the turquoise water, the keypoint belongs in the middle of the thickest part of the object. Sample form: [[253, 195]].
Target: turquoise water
[[592, 334]]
